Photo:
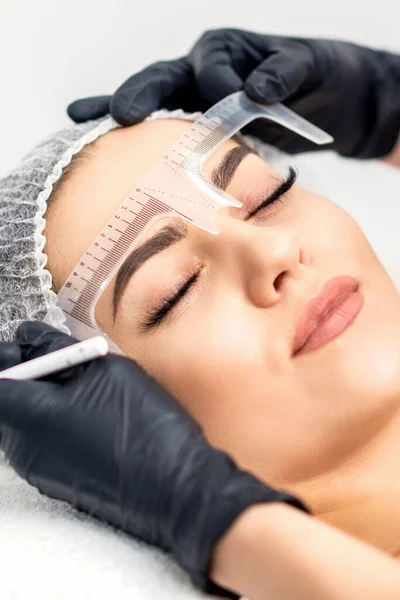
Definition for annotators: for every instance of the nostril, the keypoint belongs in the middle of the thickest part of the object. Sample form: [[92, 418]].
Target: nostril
[[278, 281]]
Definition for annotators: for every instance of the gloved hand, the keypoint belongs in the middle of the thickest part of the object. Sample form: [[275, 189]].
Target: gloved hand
[[105, 437], [350, 91]]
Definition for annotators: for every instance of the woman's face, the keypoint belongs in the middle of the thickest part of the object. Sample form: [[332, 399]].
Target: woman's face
[[225, 350]]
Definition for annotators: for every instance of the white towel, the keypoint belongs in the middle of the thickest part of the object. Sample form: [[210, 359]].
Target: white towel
[[49, 551]]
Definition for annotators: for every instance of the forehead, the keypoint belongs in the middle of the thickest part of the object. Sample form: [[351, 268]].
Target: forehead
[[90, 197]]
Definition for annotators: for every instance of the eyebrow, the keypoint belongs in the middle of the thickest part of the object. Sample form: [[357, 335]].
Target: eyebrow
[[174, 232], [223, 173]]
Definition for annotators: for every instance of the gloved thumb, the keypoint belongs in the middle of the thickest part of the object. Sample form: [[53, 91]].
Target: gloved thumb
[[20, 401], [36, 338], [214, 72], [282, 74], [86, 109], [10, 355], [150, 90]]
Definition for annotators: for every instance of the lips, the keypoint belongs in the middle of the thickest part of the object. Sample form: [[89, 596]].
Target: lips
[[328, 314]]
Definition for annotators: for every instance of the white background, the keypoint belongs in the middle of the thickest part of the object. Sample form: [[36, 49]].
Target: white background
[[53, 52]]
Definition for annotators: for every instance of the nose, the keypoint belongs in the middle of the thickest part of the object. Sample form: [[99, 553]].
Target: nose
[[262, 259]]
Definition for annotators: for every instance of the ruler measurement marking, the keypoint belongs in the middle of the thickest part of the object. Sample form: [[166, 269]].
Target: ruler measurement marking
[[223, 122]]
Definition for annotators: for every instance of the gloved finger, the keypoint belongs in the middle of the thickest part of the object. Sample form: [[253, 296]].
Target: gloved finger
[[86, 109], [35, 339], [22, 401], [282, 74], [213, 69], [149, 90], [10, 355], [280, 137]]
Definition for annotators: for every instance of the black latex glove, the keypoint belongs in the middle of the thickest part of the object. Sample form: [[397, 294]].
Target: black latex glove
[[105, 437], [350, 91]]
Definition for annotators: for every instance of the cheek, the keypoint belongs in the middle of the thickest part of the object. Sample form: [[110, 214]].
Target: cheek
[[330, 233], [207, 351], [215, 359], [241, 394]]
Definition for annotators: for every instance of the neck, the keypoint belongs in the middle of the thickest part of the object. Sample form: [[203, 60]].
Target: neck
[[363, 496]]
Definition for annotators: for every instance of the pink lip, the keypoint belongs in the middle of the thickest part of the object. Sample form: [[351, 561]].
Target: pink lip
[[328, 314]]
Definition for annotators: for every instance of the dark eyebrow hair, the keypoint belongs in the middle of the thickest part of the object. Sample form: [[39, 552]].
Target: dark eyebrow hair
[[167, 236], [177, 230], [222, 174]]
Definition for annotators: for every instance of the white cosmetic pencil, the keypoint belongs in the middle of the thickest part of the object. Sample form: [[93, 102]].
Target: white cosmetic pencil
[[57, 361]]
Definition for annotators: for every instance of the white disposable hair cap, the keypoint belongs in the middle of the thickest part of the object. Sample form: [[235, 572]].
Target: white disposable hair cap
[[25, 283]]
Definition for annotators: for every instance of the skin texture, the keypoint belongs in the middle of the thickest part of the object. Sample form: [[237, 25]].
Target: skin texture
[[324, 425]]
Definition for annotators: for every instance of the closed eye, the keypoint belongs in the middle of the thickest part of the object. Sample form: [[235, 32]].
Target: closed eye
[[155, 317], [277, 194]]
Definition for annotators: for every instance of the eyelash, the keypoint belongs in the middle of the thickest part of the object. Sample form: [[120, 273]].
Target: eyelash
[[277, 195], [156, 316]]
